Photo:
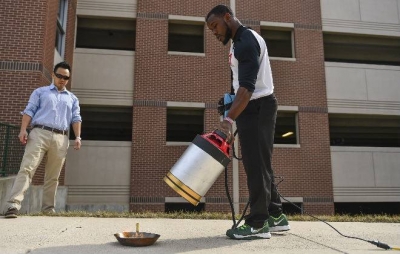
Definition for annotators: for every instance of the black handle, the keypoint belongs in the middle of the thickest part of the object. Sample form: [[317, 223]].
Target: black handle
[[221, 134]]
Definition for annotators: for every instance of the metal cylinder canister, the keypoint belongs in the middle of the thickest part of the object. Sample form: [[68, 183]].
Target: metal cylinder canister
[[199, 166]]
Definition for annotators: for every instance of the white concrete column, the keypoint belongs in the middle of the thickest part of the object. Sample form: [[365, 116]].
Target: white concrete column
[[233, 6], [235, 163]]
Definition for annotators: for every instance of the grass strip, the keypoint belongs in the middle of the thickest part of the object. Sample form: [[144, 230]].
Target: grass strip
[[222, 216]]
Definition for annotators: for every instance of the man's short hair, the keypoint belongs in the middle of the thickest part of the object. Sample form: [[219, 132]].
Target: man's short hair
[[63, 65], [219, 10]]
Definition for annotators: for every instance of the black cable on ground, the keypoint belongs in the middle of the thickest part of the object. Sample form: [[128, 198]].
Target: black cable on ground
[[235, 224], [233, 148], [376, 243]]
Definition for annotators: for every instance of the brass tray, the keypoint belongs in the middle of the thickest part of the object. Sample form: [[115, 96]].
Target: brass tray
[[137, 239]]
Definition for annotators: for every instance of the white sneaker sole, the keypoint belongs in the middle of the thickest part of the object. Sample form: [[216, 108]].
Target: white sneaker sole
[[279, 228], [254, 236], [11, 216]]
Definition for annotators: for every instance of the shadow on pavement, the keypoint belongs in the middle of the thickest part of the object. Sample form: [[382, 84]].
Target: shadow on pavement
[[161, 246]]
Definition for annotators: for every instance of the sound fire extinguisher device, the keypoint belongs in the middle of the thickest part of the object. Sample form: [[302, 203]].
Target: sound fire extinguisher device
[[199, 166]]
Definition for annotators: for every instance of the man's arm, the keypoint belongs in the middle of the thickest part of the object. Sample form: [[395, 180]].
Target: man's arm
[[77, 131], [240, 102], [28, 114], [23, 134], [247, 54]]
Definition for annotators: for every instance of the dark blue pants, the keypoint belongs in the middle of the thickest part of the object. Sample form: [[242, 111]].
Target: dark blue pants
[[256, 129]]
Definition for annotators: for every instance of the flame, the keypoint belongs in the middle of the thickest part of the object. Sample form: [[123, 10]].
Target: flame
[[129, 234], [126, 233], [138, 235]]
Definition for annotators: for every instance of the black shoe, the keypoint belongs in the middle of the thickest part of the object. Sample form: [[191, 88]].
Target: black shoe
[[11, 213]]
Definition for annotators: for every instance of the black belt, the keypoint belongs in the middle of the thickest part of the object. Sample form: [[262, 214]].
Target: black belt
[[51, 129]]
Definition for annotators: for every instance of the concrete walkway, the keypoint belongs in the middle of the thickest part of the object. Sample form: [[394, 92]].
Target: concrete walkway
[[75, 235]]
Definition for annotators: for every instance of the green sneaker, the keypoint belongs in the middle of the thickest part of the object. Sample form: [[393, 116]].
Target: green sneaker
[[278, 224], [245, 232]]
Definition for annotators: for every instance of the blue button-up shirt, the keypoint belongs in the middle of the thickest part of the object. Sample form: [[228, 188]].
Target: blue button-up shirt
[[47, 106]]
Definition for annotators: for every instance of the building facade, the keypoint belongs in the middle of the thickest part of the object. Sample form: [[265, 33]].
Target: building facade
[[149, 75]]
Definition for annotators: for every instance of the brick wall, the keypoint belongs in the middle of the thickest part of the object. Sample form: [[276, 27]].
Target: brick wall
[[21, 52], [160, 77]]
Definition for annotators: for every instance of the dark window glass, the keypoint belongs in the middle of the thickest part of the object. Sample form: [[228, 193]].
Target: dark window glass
[[363, 208], [184, 124], [186, 38], [106, 34], [285, 128], [279, 43], [364, 130], [59, 39], [106, 123], [60, 27], [361, 49]]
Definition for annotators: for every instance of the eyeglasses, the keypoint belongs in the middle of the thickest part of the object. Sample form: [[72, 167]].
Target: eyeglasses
[[61, 76]]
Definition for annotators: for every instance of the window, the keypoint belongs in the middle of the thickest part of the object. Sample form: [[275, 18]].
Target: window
[[286, 128], [279, 42], [186, 37], [364, 49], [364, 130], [106, 34], [183, 124], [61, 26], [106, 123]]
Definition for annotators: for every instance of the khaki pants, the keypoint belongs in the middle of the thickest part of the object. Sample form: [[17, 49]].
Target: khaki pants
[[39, 142]]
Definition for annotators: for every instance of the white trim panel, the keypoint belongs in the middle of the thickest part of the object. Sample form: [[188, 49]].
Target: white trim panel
[[107, 8], [187, 18], [277, 24], [186, 104]]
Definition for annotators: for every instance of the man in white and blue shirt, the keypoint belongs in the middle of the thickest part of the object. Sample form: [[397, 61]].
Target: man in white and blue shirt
[[51, 110], [254, 109]]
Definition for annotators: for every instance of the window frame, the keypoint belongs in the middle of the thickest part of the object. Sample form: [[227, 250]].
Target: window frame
[[279, 26], [102, 29], [351, 48], [61, 27], [295, 110], [361, 135], [187, 20], [182, 105], [101, 110]]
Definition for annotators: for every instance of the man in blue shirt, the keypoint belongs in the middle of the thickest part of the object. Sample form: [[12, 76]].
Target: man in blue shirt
[[254, 109], [51, 110]]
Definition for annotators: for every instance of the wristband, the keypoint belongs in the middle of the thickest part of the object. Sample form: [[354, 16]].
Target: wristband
[[229, 120], [78, 138]]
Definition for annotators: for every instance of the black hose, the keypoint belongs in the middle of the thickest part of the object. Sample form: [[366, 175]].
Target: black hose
[[235, 224], [376, 243]]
